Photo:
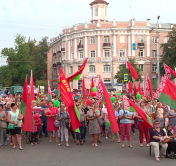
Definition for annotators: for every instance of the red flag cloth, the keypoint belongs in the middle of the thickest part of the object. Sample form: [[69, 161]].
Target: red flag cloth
[[78, 72], [92, 85], [111, 114], [170, 73], [132, 70], [135, 91], [139, 86], [83, 89], [148, 88], [31, 88], [67, 98], [28, 119], [130, 86], [100, 90]]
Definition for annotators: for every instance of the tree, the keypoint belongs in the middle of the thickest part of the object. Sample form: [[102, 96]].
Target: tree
[[23, 58], [42, 83], [123, 70], [169, 52]]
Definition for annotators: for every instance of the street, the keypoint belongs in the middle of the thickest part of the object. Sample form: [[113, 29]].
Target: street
[[106, 154]]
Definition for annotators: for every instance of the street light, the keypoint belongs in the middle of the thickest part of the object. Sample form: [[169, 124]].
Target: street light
[[157, 48]]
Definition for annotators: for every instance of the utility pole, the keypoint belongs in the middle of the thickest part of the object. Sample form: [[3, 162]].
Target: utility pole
[[157, 47]]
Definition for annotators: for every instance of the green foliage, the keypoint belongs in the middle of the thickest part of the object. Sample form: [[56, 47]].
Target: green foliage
[[42, 83], [169, 52], [154, 84], [23, 58], [123, 70]]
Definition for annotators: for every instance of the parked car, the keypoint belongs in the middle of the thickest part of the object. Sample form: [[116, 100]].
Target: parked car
[[15, 89], [3, 93]]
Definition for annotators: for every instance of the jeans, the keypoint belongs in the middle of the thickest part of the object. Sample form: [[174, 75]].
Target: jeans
[[132, 128], [82, 131], [2, 136], [45, 122]]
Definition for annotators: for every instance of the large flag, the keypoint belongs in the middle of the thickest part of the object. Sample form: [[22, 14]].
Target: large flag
[[132, 71], [77, 75], [49, 92], [170, 73], [83, 89], [67, 98], [130, 106], [111, 114], [166, 93], [100, 90], [26, 109], [130, 87], [31, 88], [139, 86], [135, 91], [148, 88], [92, 85], [38, 94]]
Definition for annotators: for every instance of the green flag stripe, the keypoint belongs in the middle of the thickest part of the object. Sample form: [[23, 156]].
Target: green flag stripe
[[149, 119], [23, 108], [132, 109]]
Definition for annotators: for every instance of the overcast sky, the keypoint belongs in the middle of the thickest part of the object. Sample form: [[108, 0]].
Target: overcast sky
[[39, 18]]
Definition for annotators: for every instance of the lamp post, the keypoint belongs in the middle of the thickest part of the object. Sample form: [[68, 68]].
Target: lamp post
[[157, 47]]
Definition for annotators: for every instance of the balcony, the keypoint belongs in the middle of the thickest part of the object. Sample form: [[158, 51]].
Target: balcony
[[79, 60], [92, 59], [106, 45], [58, 64], [141, 45], [62, 49], [80, 47], [54, 65], [106, 59], [54, 54], [58, 52]]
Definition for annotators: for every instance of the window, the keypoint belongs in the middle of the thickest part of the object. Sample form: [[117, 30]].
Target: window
[[154, 68], [79, 67], [70, 69], [140, 39], [140, 53], [122, 53], [166, 38], [106, 53], [106, 39], [122, 39], [92, 40], [154, 39], [141, 68], [154, 53], [79, 84], [107, 68], [92, 54], [92, 69], [63, 45], [63, 56], [81, 41], [81, 55], [72, 43], [96, 11], [72, 55]]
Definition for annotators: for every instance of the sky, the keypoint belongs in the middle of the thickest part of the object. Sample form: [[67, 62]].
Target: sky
[[40, 18]]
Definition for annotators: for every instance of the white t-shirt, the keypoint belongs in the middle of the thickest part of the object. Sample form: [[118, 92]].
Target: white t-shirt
[[105, 112]]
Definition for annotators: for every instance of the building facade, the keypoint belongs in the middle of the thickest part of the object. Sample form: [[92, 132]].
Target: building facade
[[106, 44]]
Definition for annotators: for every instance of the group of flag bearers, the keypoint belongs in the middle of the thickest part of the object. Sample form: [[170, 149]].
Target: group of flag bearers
[[165, 93]]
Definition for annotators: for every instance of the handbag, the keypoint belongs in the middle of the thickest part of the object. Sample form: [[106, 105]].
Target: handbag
[[3, 125], [66, 124], [11, 126], [100, 122], [56, 123]]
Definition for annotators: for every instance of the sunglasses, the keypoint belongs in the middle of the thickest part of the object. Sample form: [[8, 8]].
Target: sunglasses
[[157, 123], [77, 105]]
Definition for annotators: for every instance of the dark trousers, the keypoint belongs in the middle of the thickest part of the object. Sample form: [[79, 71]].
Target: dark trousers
[[34, 137], [171, 148], [45, 123], [72, 133], [82, 132]]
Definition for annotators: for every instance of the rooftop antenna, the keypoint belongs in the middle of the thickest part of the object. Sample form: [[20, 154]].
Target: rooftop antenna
[[132, 12]]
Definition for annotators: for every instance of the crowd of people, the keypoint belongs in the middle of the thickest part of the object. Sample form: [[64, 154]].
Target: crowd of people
[[55, 122]]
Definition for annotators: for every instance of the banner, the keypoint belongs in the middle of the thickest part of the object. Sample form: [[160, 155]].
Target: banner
[[99, 90]]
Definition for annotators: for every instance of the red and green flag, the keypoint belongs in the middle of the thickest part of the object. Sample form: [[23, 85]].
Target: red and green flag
[[148, 88], [83, 89], [58, 88], [31, 87], [132, 71], [38, 94], [130, 87], [111, 114], [132, 107], [166, 92], [49, 92], [26, 109], [92, 85], [77, 75], [135, 91], [139, 86], [170, 73]]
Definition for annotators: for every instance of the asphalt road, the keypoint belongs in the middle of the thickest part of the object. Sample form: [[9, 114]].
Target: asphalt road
[[106, 154]]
